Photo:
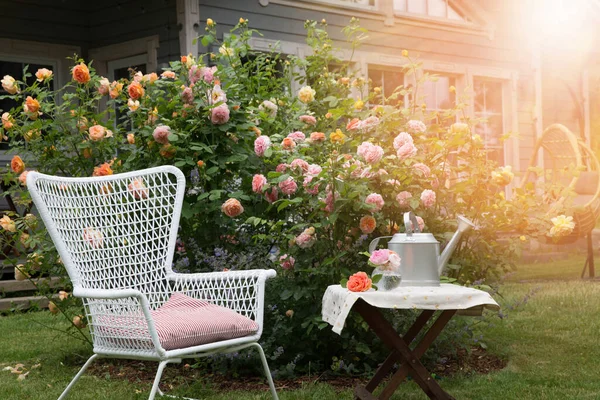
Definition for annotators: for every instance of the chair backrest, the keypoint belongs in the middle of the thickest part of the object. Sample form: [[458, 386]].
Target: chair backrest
[[114, 232]]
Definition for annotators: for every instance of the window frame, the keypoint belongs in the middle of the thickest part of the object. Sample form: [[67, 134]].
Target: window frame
[[503, 113]]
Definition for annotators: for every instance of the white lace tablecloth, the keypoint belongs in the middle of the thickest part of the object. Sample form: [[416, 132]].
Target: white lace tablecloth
[[338, 301]]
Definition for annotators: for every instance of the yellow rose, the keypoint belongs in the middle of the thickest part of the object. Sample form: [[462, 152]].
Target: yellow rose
[[359, 104], [7, 121], [210, 22], [460, 128], [8, 224], [133, 104], [43, 74], [306, 94], [226, 51], [337, 136], [404, 53], [503, 176], [563, 226], [10, 85]]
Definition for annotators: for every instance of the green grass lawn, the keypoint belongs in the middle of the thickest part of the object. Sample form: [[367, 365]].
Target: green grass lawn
[[551, 342]]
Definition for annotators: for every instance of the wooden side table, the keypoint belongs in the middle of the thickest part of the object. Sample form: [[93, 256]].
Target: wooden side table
[[448, 299]]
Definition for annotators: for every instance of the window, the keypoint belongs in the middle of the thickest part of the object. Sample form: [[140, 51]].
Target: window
[[388, 79], [488, 107], [438, 96], [428, 8], [15, 69]]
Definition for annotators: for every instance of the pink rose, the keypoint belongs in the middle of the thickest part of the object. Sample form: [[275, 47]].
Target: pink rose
[[299, 165], [138, 189], [314, 169], [435, 182], [369, 123], [376, 200], [402, 139], [220, 114], [380, 257], [281, 168], [306, 239], [421, 223], [208, 74], [161, 134], [232, 208], [288, 186], [287, 261], [330, 200], [297, 136], [261, 144], [393, 182], [422, 169], [97, 132], [258, 182], [23, 178], [195, 74], [309, 187], [402, 198], [428, 198], [394, 260], [271, 194], [308, 119], [187, 95], [406, 151], [415, 127], [373, 154]]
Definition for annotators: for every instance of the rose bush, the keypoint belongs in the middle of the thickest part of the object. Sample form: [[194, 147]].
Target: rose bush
[[298, 171]]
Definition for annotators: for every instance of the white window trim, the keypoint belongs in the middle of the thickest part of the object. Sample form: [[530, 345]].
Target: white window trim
[[147, 47], [124, 63]]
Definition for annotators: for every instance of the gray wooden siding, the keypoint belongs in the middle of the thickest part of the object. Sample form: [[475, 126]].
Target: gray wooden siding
[[116, 21], [506, 50]]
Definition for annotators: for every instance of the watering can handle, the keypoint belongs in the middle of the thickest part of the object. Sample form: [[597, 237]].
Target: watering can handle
[[375, 242], [408, 218]]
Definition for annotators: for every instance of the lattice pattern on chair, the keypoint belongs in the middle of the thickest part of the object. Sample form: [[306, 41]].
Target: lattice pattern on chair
[[116, 236]]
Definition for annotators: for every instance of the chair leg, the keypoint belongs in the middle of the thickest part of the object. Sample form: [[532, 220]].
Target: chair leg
[[161, 367], [267, 371], [76, 378]]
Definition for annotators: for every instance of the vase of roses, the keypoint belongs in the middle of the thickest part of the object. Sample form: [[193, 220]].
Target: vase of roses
[[387, 269]]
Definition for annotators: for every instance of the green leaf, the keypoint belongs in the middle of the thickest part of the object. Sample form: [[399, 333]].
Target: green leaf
[[268, 152], [344, 282], [375, 279], [173, 137], [212, 170], [286, 294]]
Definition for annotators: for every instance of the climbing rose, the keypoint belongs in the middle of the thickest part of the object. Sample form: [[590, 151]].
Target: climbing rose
[[261, 144], [232, 208], [306, 94], [369, 152], [402, 198], [220, 115], [81, 73], [97, 133], [367, 224], [161, 134], [402, 139], [17, 165], [415, 127], [287, 261], [258, 182], [138, 189], [271, 194], [308, 119], [299, 165], [407, 150], [376, 200], [10, 84], [563, 226], [297, 136], [428, 198], [135, 90], [288, 186]]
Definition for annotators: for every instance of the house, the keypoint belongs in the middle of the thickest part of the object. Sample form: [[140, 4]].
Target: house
[[529, 63]]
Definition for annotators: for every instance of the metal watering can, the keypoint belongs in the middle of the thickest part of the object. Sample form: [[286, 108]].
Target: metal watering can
[[421, 263]]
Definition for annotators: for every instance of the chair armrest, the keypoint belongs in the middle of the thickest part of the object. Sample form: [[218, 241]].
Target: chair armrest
[[120, 318], [240, 291]]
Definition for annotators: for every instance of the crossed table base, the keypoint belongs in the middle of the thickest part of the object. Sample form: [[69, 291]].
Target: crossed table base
[[402, 354], [448, 299]]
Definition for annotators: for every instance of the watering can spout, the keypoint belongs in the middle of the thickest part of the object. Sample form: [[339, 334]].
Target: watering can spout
[[463, 225]]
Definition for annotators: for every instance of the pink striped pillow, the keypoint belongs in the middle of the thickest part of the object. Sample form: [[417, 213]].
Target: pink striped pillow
[[184, 322]]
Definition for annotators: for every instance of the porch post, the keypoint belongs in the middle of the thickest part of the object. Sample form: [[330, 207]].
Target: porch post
[[188, 21]]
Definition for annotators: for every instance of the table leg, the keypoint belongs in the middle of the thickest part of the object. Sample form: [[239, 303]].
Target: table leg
[[385, 331], [433, 332], [394, 357]]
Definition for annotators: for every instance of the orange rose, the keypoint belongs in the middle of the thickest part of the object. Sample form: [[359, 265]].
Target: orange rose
[[232, 208], [17, 165], [200, 163], [138, 189], [79, 321], [353, 124], [115, 89], [184, 59], [7, 120], [367, 224], [103, 170], [130, 138], [288, 143], [31, 106], [42, 74], [81, 73], [317, 136], [359, 282], [97, 132], [87, 153], [167, 151], [135, 90]]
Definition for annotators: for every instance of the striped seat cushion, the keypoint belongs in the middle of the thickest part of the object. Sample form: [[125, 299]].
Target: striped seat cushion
[[184, 322]]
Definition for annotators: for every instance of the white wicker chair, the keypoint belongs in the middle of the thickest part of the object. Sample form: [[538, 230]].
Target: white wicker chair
[[116, 236]]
